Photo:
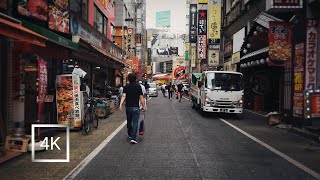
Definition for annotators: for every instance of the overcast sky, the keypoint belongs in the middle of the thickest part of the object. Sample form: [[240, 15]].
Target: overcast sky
[[178, 13]]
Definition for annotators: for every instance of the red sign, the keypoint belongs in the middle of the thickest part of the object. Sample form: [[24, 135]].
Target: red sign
[[202, 22], [135, 64], [179, 72], [279, 43], [42, 85], [37, 9], [59, 16], [315, 105], [286, 3], [299, 62], [311, 53]]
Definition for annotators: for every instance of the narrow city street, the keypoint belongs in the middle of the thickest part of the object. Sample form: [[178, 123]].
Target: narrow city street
[[180, 143]]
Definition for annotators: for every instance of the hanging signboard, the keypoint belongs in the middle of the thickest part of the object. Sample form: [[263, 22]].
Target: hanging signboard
[[235, 57], [202, 22], [298, 80], [202, 47], [228, 47], [42, 85], [279, 43], [311, 54], [213, 57], [214, 21], [193, 23], [193, 56]]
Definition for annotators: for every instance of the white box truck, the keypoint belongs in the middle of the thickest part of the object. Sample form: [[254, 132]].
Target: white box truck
[[217, 91]]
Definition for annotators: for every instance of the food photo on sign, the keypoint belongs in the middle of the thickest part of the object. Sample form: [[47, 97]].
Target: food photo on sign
[[59, 15], [37, 9]]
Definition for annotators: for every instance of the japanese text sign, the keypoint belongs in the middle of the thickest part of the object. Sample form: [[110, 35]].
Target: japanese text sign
[[311, 53], [202, 23], [279, 43], [193, 23], [202, 47]]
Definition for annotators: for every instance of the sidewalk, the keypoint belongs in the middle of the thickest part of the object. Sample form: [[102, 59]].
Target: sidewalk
[[81, 146], [303, 131]]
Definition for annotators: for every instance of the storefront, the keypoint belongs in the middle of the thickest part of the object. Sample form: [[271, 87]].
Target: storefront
[[264, 83]]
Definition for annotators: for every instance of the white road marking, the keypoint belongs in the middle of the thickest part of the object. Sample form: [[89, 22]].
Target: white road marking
[[186, 98], [149, 98], [284, 156], [86, 161]]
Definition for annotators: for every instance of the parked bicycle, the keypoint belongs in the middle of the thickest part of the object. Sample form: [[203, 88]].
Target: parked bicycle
[[90, 116]]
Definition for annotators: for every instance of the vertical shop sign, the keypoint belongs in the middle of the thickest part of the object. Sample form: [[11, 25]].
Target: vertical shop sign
[[193, 56], [42, 85], [299, 62], [280, 43], [214, 21], [202, 47], [315, 105], [311, 54], [76, 97], [280, 4], [213, 57], [58, 15], [135, 64], [202, 23], [193, 23]]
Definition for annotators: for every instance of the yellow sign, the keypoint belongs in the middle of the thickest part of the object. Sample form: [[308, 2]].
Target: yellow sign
[[148, 69], [187, 46], [193, 56], [203, 1], [214, 21], [150, 37], [235, 57]]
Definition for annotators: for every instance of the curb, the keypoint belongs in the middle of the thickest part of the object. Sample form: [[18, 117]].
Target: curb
[[299, 131], [305, 133]]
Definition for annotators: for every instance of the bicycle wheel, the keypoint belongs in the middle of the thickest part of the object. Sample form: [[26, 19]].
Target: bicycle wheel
[[95, 120], [86, 125]]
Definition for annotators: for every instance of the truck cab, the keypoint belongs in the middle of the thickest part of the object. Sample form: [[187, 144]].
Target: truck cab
[[218, 91]]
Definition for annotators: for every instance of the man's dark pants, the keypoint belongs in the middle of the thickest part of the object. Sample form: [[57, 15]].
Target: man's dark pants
[[132, 121]]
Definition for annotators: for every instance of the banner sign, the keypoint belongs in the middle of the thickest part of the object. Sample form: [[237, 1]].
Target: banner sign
[[187, 46], [135, 64], [279, 43], [193, 56], [193, 23], [315, 105], [42, 85], [214, 20], [202, 47], [213, 57], [286, 4], [202, 23], [311, 53], [298, 80]]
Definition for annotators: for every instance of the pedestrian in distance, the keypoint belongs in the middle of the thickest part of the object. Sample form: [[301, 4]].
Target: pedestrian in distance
[[170, 90], [132, 94], [163, 89], [179, 91]]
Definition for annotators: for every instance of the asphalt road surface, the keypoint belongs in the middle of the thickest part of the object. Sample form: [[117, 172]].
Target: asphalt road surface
[[180, 143]]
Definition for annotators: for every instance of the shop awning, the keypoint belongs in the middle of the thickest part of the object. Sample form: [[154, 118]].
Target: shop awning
[[53, 37], [16, 31], [109, 55], [196, 77], [254, 53], [162, 76], [263, 19]]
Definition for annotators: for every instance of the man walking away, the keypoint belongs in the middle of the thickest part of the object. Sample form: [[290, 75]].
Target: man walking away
[[170, 90], [163, 89], [132, 94], [179, 89]]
